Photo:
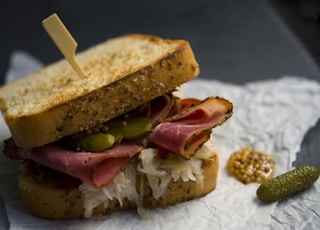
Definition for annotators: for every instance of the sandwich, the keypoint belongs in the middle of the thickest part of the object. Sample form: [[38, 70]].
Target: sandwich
[[121, 137]]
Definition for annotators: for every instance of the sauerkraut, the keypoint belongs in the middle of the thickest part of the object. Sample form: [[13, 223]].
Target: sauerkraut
[[159, 173], [122, 186]]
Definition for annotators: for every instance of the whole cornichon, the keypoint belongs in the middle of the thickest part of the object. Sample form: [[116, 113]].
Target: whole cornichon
[[288, 183]]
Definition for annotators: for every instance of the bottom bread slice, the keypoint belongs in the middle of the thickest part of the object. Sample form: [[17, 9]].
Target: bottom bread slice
[[49, 194]]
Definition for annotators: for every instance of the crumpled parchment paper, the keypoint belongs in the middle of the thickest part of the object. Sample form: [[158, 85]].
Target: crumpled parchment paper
[[272, 116]]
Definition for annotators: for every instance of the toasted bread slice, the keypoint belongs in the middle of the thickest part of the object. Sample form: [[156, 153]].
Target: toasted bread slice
[[49, 194], [122, 73]]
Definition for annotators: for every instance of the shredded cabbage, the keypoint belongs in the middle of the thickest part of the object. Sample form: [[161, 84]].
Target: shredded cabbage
[[150, 163], [122, 186], [206, 151], [159, 172]]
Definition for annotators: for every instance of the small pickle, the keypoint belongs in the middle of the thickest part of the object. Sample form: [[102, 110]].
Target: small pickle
[[249, 166], [96, 142], [287, 184], [116, 134], [89, 142], [132, 128], [106, 135]]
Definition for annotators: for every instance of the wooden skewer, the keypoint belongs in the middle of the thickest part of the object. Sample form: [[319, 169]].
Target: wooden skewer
[[63, 40]]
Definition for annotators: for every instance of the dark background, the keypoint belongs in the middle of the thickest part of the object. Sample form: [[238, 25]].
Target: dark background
[[234, 41]]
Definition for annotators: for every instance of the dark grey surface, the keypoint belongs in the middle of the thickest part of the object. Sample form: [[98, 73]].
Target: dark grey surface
[[234, 41], [4, 222], [303, 18]]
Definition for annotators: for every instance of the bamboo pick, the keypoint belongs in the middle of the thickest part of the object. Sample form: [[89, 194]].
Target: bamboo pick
[[63, 40]]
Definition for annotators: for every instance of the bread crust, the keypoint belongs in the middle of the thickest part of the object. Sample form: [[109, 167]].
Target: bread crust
[[69, 113], [53, 195]]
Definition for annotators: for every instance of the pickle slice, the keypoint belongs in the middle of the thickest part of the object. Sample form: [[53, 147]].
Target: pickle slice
[[287, 184], [89, 143], [132, 128], [116, 134], [96, 142], [108, 134]]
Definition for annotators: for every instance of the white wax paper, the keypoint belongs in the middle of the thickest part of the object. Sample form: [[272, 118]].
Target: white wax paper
[[272, 116]]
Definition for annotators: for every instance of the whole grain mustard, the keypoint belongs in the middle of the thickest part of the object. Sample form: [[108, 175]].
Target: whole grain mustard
[[251, 166]]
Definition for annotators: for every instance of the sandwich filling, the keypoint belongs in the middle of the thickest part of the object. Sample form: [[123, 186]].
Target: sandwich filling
[[159, 171], [169, 146]]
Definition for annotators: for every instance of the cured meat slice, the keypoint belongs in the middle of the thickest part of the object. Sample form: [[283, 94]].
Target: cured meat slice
[[97, 169], [158, 109], [185, 132]]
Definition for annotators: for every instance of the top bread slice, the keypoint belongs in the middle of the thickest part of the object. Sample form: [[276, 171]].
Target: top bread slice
[[121, 74]]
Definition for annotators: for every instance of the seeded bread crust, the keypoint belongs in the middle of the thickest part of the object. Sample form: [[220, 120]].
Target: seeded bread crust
[[52, 195], [122, 73]]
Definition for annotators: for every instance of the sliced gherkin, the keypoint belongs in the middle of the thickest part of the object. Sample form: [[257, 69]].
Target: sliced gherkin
[[89, 142], [132, 128], [115, 132], [108, 134], [96, 142], [288, 183]]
